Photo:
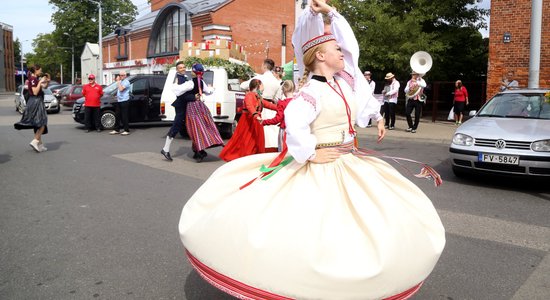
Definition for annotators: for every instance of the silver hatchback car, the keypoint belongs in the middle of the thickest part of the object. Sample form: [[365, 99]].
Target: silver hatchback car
[[510, 135], [50, 102]]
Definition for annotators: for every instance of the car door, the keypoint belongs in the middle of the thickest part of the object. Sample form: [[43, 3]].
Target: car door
[[139, 104], [156, 84]]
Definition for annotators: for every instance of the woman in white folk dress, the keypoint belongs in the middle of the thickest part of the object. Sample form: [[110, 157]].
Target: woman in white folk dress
[[314, 225]]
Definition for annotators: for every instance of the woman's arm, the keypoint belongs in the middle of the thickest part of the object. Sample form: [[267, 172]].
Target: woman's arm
[[250, 103], [309, 24], [299, 114], [269, 104], [207, 89], [279, 117], [179, 89], [36, 89]]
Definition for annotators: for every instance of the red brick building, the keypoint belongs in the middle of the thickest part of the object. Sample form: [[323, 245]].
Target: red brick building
[[7, 66], [509, 43], [263, 27]]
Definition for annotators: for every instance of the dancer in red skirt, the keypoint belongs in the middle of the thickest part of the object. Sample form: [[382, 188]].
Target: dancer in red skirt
[[249, 135]]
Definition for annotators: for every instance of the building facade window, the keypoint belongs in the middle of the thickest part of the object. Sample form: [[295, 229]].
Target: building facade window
[[122, 48], [170, 30], [122, 43]]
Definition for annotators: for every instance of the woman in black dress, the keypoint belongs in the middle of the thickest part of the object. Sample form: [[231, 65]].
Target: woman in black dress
[[35, 116]]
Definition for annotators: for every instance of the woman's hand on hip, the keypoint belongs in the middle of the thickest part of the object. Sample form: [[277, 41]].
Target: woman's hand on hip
[[325, 155]]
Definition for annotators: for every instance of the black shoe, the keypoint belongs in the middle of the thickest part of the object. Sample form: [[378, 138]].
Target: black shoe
[[166, 155], [201, 155], [196, 155], [391, 128]]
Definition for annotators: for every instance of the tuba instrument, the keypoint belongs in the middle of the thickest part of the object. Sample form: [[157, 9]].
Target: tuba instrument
[[421, 63]]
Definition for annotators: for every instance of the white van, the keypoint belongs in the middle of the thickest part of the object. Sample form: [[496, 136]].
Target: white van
[[225, 103]]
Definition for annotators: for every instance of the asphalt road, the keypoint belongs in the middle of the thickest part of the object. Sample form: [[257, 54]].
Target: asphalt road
[[95, 217]]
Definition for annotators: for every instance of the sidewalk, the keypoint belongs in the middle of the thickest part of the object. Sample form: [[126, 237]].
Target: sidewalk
[[440, 132]]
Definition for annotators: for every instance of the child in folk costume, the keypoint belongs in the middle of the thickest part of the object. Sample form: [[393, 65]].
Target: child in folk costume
[[314, 227], [249, 137], [287, 89], [199, 123]]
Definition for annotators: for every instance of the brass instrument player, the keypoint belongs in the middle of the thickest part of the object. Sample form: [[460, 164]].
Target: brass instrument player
[[414, 94]]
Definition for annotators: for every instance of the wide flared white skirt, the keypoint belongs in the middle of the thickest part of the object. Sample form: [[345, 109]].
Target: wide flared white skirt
[[351, 229]]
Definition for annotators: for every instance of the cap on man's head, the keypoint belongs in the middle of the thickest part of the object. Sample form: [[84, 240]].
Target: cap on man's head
[[198, 68], [367, 73], [415, 73], [91, 76], [389, 76]]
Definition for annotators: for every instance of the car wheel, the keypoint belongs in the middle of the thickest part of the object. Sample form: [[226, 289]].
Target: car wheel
[[108, 119], [57, 110]]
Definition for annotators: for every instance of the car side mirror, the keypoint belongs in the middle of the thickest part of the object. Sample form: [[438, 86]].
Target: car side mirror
[[472, 113]]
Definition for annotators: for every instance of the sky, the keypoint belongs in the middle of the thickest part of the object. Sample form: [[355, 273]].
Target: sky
[[17, 14]]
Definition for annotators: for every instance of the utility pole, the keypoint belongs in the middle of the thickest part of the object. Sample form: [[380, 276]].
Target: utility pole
[[72, 55], [535, 42], [100, 43], [22, 63]]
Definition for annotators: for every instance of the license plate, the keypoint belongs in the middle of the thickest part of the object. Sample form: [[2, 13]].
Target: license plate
[[498, 159]]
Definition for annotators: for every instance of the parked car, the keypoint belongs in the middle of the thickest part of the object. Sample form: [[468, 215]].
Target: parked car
[[56, 90], [510, 135], [21, 96], [71, 94], [145, 91], [225, 103]]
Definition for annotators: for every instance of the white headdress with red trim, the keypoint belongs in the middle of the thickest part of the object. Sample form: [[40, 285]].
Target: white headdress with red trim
[[317, 41]]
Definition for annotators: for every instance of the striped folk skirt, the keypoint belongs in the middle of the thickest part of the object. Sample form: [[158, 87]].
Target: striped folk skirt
[[201, 127]]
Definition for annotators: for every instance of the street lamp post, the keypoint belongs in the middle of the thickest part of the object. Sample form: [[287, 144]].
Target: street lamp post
[[100, 42], [22, 59]]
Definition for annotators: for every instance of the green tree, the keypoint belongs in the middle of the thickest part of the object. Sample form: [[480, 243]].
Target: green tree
[[390, 31], [47, 55], [17, 51]]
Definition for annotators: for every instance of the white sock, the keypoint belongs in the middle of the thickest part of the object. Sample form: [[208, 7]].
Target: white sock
[[167, 144]]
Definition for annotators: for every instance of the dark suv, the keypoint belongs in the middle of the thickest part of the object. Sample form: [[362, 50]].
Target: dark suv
[[145, 91]]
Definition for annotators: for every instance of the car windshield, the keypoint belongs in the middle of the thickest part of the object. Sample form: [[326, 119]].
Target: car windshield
[[47, 91], [111, 89], [512, 105]]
